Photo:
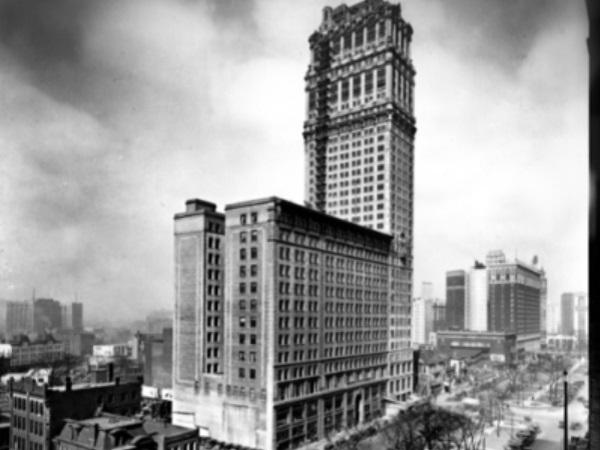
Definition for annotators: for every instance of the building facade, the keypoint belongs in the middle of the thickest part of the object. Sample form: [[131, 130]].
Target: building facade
[[422, 321], [19, 318], [111, 431], [359, 142], [26, 352], [476, 304], [514, 301], [456, 297], [154, 353], [47, 316], [544, 316], [497, 346], [38, 412], [304, 333]]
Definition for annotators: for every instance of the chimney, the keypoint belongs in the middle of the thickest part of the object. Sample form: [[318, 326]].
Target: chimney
[[69, 384], [111, 371]]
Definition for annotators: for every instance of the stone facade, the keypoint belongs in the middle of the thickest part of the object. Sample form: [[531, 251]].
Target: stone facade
[[359, 144]]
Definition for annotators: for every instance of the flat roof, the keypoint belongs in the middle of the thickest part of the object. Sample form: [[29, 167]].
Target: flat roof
[[108, 422], [309, 211]]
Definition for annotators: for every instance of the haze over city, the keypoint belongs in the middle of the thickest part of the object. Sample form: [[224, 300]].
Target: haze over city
[[137, 106]]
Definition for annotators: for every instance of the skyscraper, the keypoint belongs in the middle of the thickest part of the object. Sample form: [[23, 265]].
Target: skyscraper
[[19, 318], [281, 323], [567, 314], [456, 296], [476, 305], [359, 134], [514, 301], [47, 315]]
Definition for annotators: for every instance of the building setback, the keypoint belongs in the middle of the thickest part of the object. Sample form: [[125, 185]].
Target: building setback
[[456, 296], [303, 339], [359, 143]]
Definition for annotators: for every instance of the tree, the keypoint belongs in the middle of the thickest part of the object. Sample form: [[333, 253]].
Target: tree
[[433, 428]]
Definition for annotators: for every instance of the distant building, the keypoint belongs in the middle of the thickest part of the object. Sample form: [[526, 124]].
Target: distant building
[[544, 326], [476, 304], [422, 320], [47, 316], [110, 431], [439, 316], [72, 316], [39, 412], [303, 336], [154, 352], [157, 321], [514, 301], [497, 346], [77, 343], [456, 296], [19, 318], [26, 352], [112, 351], [581, 318], [567, 313]]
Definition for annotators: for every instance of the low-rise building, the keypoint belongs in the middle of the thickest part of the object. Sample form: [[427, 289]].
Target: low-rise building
[[431, 369], [110, 431], [38, 412], [26, 352], [498, 346]]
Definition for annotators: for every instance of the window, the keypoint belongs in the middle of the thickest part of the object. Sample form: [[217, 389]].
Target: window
[[242, 372], [253, 253], [380, 78], [253, 304], [345, 90], [252, 356], [242, 322], [253, 235], [242, 288], [252, 339], [253, 287], [253, 217], [243, 219], [242, 253], [252, 374], [242, 356], [253, 270], [252, 322], [242, 339], [368, 83], [242, 304], [242, 271], [243, 237]]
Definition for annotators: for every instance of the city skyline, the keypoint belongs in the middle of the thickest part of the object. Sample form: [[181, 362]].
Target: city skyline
[[139, 106]]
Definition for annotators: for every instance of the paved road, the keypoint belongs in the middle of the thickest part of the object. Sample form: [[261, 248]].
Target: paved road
[[551, 436]]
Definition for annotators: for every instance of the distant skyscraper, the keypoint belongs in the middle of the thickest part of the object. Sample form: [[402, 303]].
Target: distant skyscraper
[[567, 314], [77, 316], [439, 316], [19, 318], [422, 323], [476, 304], [543, 303], [359, 138], [514, 301], [581, 316], [456, 293], [47, 315], [427, 290], [297, 346]]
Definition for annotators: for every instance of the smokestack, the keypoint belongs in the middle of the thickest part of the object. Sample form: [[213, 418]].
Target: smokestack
[[69, 384], [111, 371]]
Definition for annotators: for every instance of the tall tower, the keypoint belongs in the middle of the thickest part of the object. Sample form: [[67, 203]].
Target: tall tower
[[359, 143]]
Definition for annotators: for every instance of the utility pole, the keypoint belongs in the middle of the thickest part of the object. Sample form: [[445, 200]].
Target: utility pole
[[566, 410]]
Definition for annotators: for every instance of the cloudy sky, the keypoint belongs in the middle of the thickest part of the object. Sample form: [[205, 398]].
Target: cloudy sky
[[114, 112]]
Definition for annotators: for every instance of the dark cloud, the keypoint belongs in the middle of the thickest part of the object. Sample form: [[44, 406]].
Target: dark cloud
[[501, 32]]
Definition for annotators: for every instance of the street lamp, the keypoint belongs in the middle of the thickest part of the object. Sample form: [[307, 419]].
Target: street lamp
[[566, 411]]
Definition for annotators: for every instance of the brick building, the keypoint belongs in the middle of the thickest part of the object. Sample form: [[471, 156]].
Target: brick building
[[302, 338], [38, 412], [110, 431]]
